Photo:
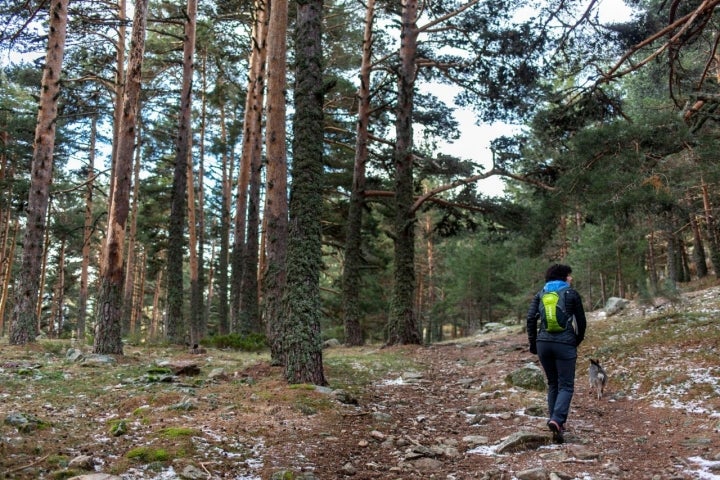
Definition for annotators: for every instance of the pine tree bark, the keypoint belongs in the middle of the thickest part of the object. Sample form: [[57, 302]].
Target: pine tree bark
[[222, 270], [6, 274], [108, 334], [119, 86], [698, 252], [402, 325], [176, 328], [711, 231], [353, 242], [129, 286], [252, 157], [87, 235], [43, 276], [139, 294], [201, 320], [276, 206], [56, 316], [155, 318], [196, 309], [301, 341], [23, 328], [7, 240]]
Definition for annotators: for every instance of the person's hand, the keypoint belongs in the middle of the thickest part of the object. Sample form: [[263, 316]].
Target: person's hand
[[533, 348]]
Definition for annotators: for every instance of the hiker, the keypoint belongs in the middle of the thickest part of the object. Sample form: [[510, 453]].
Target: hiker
[[559, 309]]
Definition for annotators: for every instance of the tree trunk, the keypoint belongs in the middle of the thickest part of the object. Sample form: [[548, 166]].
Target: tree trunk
[[155, 318], [129, 286], [108, 335], [87, 235], [210, 285], [119, 87], [353, 243], [222, 270], [698, 253], [652, 263], [56, 317], [276, 207], [139, 295], [710, 231], [196, 309], [43, 277], [300, 331], [674, 264], [6, 274], [176, 328], [24, 321], [402, 325], [434, 328], [252, 156], [8, 241], [201, 323]]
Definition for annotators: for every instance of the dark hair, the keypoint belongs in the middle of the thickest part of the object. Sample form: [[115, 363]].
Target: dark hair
[[557, 272]]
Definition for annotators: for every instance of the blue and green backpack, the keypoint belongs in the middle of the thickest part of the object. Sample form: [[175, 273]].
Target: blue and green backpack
[[552, 310]]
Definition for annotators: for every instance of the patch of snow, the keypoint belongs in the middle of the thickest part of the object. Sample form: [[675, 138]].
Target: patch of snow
[[671, 395], [142, 474], [487, 450], [389, 382], [706, 466]]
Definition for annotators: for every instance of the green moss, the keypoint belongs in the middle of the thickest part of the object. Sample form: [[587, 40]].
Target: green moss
[[118, 427], [140, 411], [147, 454], [175, 432], [58, 460], [63, 474], [302, 386]]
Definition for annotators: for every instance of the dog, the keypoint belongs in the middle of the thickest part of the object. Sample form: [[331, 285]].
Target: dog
[[598, 378]]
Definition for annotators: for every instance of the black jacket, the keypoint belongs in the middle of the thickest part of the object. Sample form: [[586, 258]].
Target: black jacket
[[573, 306]]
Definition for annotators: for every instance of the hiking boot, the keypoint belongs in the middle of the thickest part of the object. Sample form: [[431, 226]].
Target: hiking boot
[[557, 431]]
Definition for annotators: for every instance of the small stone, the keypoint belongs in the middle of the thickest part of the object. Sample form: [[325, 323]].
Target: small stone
[[83, 462], [475, 440], [191, 472], [349, 469], [533, 474]]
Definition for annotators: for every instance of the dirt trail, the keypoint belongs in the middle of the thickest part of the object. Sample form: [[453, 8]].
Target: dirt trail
[[616, 437]]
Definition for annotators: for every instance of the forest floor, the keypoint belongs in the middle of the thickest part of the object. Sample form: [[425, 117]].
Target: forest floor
[[409, 412]]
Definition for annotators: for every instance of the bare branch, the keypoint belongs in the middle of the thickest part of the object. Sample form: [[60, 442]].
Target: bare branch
[[447, 16], [684, 22]]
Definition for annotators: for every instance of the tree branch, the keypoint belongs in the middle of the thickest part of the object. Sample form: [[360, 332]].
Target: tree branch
[[447, 16], [685, 22]]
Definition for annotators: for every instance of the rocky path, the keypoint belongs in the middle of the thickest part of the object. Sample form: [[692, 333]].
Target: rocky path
[[448, 419]]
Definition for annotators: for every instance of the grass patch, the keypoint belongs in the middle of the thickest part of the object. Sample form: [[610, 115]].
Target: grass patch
[[302, 386], [353, 370], [311, 405], [147, 454], [55, 347], [176, 432], [117, 427]]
